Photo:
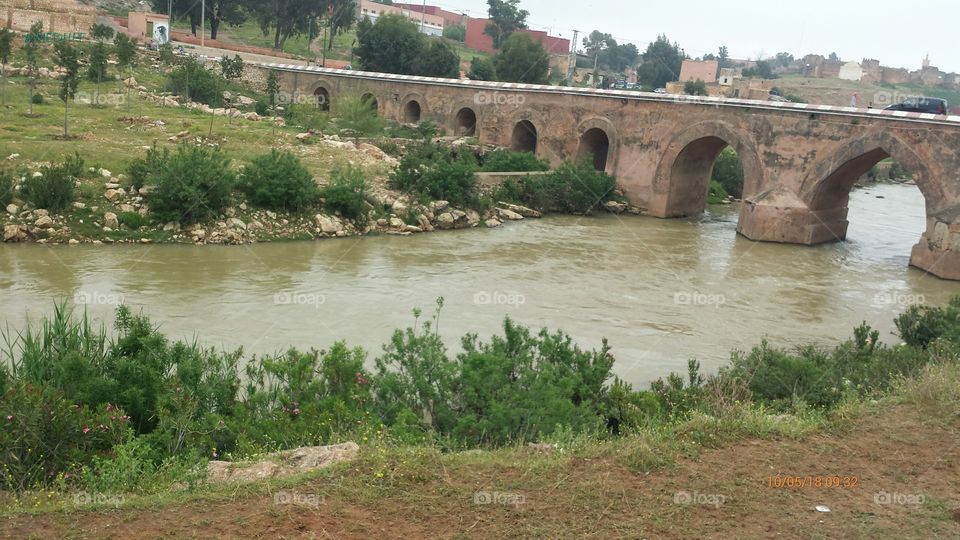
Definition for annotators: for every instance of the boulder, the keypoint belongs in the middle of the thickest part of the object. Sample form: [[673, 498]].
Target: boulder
[[397, 223], [244, 101], [399, 207], [445, 220], [79, 205], [508, 215], [305, 136], [110, 220], [473, 218], [439, 206], [492, 222], [171, 226], [114, 195], [12, 209], [522, 210], [281, 464], [13, 233], [237, 224], [328, 224], [127, 208], [615, 207], [45, 222]]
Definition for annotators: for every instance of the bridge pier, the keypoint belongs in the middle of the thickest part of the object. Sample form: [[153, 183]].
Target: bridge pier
[[938, 251]]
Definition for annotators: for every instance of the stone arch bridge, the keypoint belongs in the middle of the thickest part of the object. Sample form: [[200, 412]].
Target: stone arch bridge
[[800, 161]]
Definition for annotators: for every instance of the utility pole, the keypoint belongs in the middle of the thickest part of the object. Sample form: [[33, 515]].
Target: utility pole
[[203, 13], [423, 15], [572, 63]]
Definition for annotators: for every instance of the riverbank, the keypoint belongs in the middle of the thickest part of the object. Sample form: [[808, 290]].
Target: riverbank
[[857, 438]]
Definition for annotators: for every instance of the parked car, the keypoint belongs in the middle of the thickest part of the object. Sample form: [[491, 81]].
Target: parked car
[[660, 91], [921, 105]]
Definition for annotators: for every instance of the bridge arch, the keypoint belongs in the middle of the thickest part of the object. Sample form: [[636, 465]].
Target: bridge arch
[[828, 185], [371, 100], [322, 92], [466, 122], [683, 175], [597, 143], [411, 108]]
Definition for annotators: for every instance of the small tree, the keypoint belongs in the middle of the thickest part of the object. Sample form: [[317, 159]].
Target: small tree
[[101, 32], [457, 32], [67, 58], [232, 68], [97, 68], [31, 54], [695, 88], [481, 69], [273, 88], [439, 60], [126, 59], [522, 60], [6, 43]]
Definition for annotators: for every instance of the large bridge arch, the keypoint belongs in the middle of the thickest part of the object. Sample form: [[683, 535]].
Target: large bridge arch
[[827, 186], [524, 131], [598, 141], [322, 90], [412, 108], [682, 177]]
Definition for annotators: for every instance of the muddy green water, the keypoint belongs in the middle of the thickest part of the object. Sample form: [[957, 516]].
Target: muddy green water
[[662, 291]]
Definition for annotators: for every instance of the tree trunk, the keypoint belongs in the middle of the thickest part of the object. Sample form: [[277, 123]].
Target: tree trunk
[[130, 74], [333, 33], [66, 114], [214, 26], [31, 94], [96, 94], [276, 39]]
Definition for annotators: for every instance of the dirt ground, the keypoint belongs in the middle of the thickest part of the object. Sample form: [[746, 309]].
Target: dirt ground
[[907, 470]]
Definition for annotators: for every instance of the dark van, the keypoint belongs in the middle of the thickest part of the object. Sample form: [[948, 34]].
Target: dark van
[[921, 105]]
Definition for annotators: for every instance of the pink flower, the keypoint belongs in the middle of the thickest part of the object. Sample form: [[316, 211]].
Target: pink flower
[[296, 411], [9, 418], [86, 430]]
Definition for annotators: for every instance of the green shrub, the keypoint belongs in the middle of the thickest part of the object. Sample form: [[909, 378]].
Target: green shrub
[[919, 326], [307, 117], [262, 107], [728, 172], [46, 437], [278, 180], [357, 115], [347, 194], [195, 185], [507, 161], [716, 193], [133, 220], [430, 171], [628, 411], [7, 184], [36, 99], [55, 189], [196, 83], [140, 169], [571, 188], [232, 68], [777, 376]]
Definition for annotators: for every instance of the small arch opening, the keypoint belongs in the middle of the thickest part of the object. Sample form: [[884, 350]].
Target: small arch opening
[[322, 98], [371, 101], [524, 137], [411, 113], [595, 147], [466, 122]]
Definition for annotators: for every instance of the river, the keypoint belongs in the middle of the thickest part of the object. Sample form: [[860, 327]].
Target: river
[[662, 291]]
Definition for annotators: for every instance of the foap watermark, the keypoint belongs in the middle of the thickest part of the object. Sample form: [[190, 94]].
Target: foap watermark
[[499, 497], [87, 98], [42, 37], [710, 499], [695, 298], [85, 498], [904, 499], [884, 98], [311, 500], [499, 98], [296, 98], [898, 299], [702, 100], [93, 298], [497, 298], [299, 299]]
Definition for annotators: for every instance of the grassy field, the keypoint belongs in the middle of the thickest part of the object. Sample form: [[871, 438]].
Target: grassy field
[[839, 92]]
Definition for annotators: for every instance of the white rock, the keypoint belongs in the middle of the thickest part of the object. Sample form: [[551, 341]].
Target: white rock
[[44, 222], [114, 195], [397, 223], [110, 221], [510, 215], [328, 224], [492, 222], [12, 209], [236, 223], [105, 173], [79, 205]]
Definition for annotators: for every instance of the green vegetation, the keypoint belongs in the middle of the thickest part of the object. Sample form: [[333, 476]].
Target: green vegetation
[[358, 115], [346, 194], [506, 17], [432, 171], [192, 184], [695, 88], [395, 45], [716, 193], [508, 161], [194, 82], [231, 68], [728, 173], [7, 183], [158, 408], [522, 60], [481, 69], [55, 188], [279, 181], [661, 63], [574, 188]]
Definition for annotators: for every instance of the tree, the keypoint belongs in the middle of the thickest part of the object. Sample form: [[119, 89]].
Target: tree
[[695, 88], [31, 55], [834, 57], [481, 69], [66, 57], [522, 60], [439, 60], [340, 17], [126, 58], [723, 57], [392, 45], [273, 87], [181, 9], [6, 45], [661, 63], [784, 59], [762, 70], [506, 17], [224, 11], [231, 68], [286, 17], [457, 32], [101, 32], [97, 67], [596, 42]]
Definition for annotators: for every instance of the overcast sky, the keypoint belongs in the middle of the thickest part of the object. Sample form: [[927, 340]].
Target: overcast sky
[[899, 34]]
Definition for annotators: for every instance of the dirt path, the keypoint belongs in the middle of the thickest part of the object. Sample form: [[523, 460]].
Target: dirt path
[[899, 452]]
